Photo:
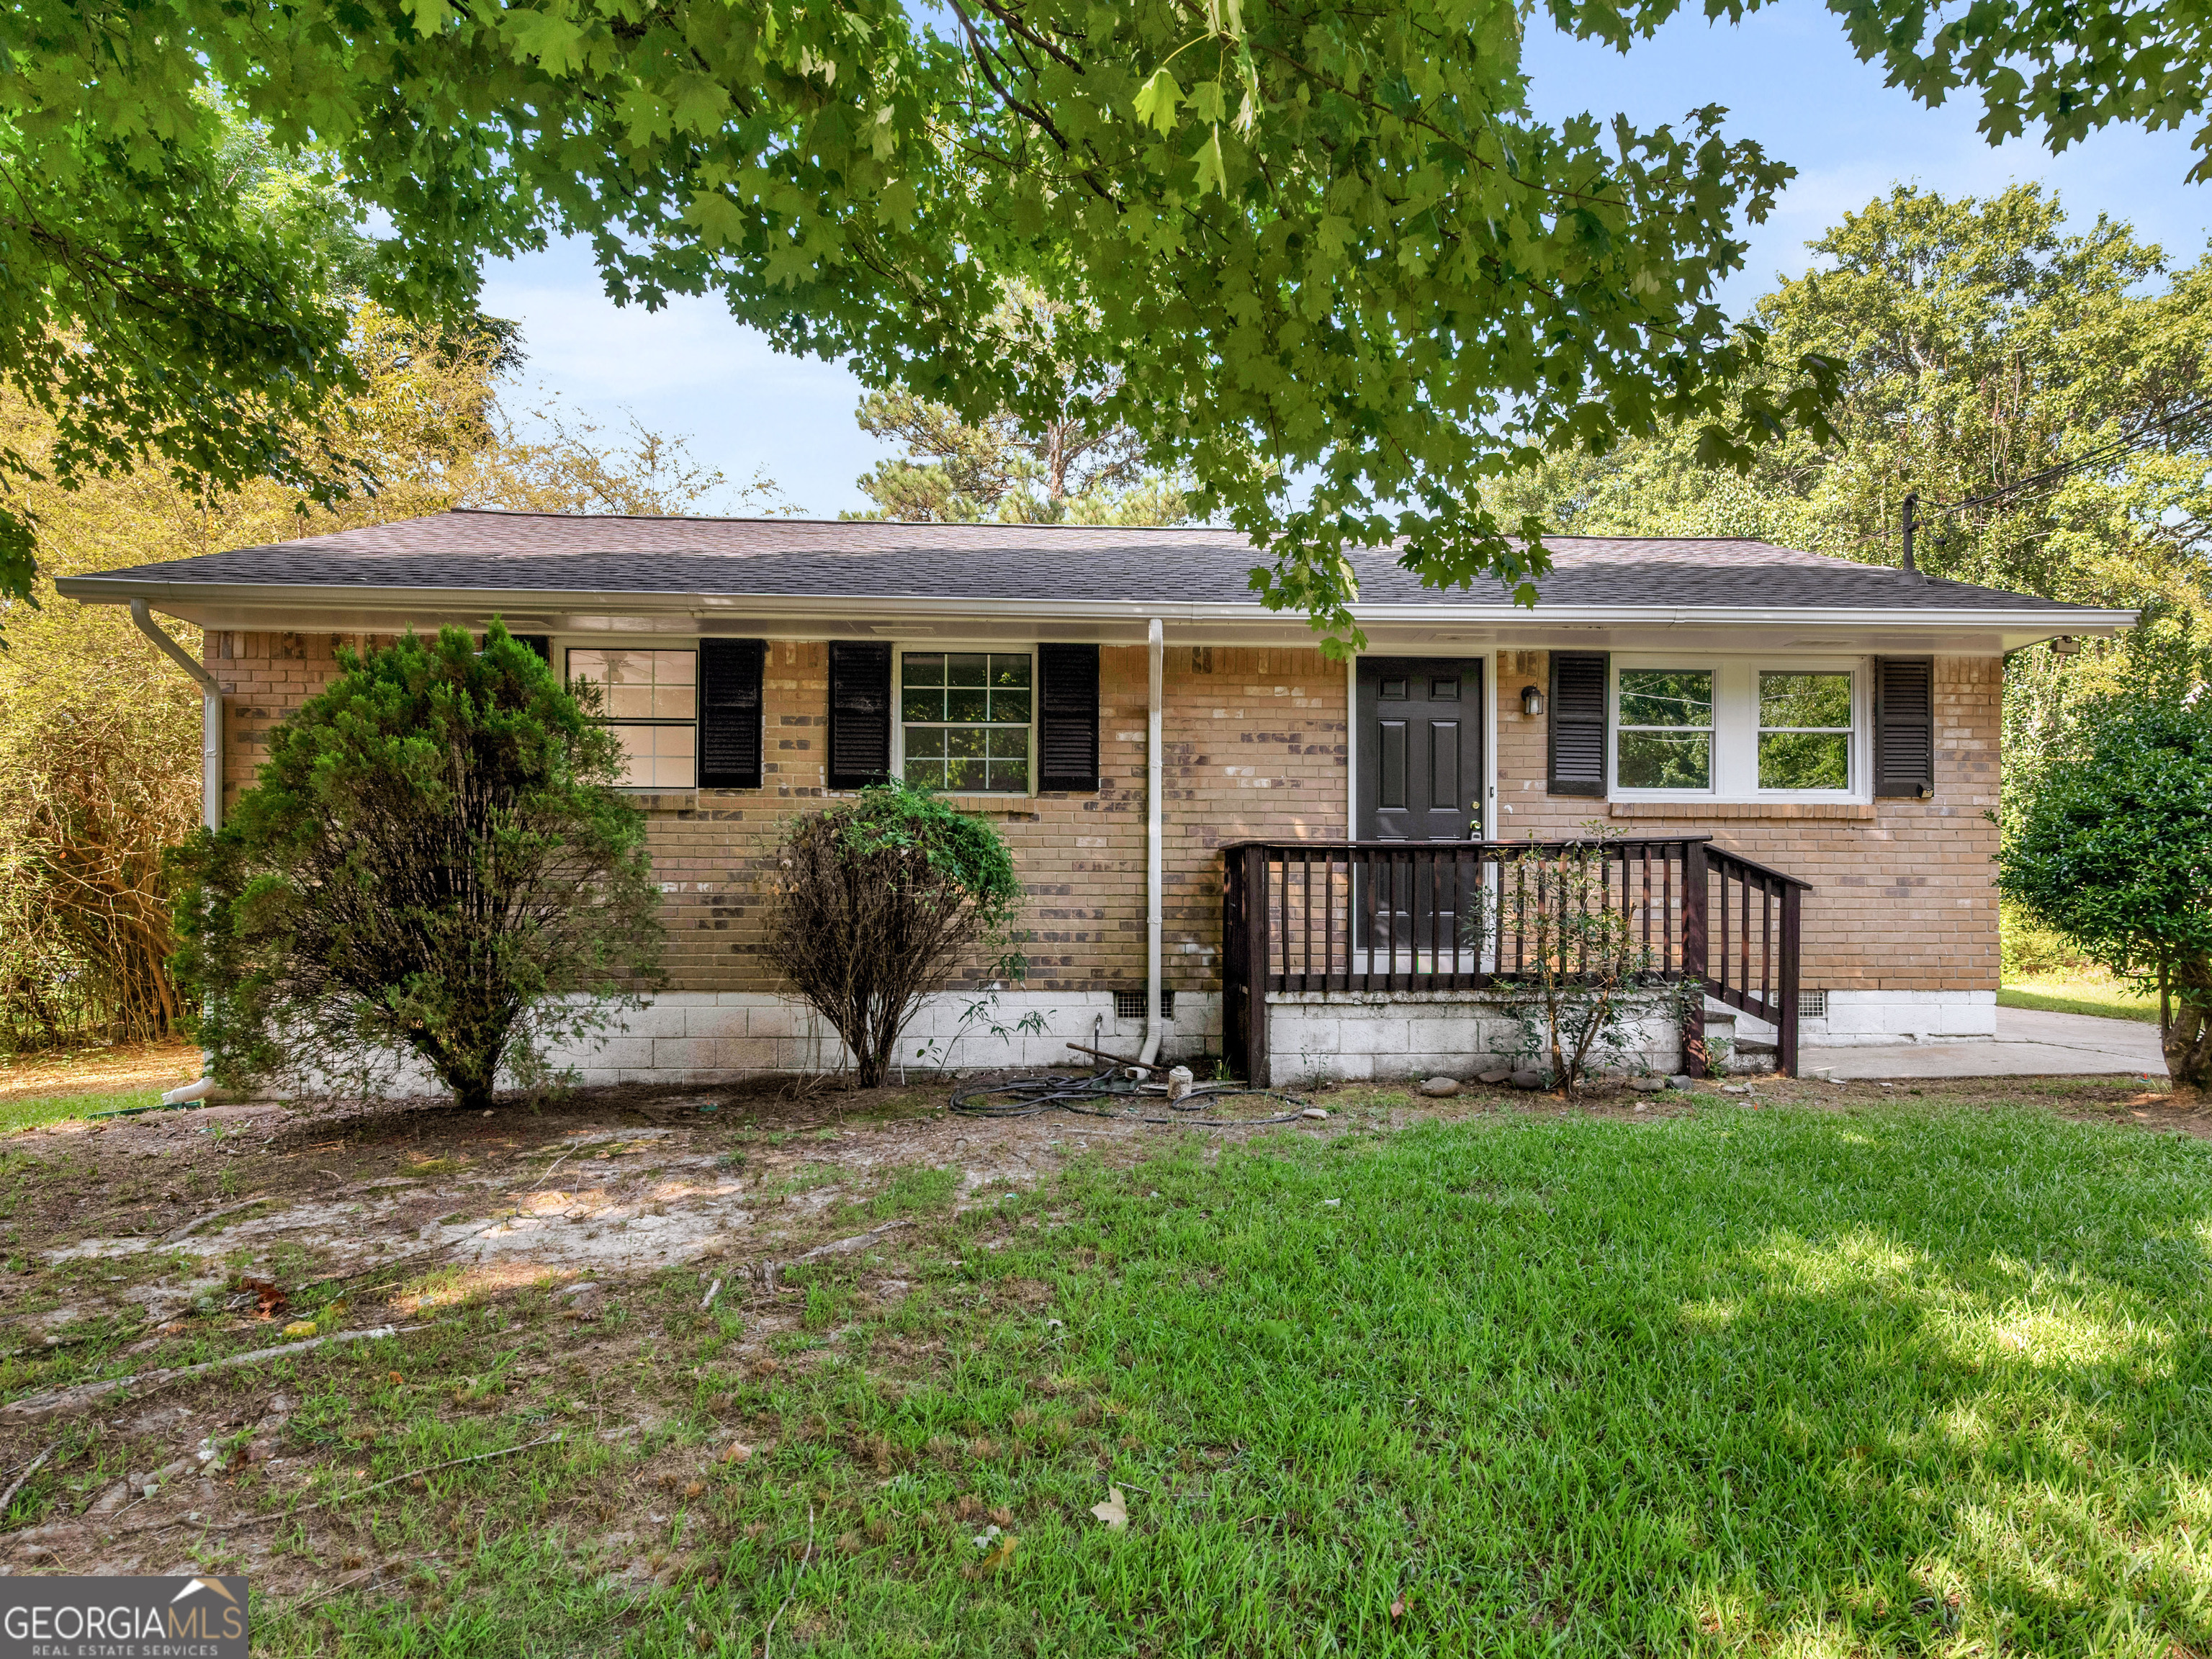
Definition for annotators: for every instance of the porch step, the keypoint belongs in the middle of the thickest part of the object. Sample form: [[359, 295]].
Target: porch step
[[1746, 1054]]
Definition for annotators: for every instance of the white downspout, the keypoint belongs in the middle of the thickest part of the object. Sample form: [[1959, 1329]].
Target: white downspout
[[1155, 1029], [211, 781], [211, 714]]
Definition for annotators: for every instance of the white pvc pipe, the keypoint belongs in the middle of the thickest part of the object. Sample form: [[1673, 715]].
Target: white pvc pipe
[[199, 1090], [211, 714], [1155, 1028]]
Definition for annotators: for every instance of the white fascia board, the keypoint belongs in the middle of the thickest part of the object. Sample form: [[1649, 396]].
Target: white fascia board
[[204, 597], [2080, 620]]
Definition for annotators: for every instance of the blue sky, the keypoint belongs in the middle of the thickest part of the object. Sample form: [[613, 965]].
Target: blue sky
[[1785, 75]]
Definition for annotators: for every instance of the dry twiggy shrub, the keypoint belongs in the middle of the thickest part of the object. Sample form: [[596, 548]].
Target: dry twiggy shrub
[[874, 905]]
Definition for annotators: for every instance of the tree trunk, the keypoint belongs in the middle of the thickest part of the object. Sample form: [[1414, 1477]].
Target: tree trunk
[[2187, 1037], [467, 1075]]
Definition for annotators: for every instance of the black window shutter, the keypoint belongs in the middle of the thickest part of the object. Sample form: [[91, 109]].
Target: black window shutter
[[1577, 731], [860, 713], [730, 712], [1067, 718], [541, 643], [1905, 727]]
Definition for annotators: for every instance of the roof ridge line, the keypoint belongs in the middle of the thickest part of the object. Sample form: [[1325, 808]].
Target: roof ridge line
[[780, 519]]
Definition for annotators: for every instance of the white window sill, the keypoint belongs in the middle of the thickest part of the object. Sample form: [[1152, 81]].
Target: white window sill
[[1773, 799]]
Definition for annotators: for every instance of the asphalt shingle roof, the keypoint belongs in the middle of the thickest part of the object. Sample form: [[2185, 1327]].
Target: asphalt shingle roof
[[550, 553]]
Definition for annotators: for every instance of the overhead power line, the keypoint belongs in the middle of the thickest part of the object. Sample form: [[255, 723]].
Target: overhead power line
[[2191, 420]]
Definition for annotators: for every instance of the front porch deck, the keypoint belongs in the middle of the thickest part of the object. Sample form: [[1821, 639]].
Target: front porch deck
[[1353, 920]]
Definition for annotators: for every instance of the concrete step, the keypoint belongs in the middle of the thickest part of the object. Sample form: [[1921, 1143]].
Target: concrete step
[[1750, 1051]]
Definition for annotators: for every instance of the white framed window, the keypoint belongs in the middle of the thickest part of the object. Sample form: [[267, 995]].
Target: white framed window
[[1663, 728], [1804, 730], [1691, 728], [968, 721], [650, 699]]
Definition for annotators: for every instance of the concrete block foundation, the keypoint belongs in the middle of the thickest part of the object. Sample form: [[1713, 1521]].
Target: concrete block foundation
[[1389, 1037], [1879, 1018]]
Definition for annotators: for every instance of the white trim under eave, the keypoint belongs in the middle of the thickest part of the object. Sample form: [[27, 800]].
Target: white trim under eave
[[845, 609]]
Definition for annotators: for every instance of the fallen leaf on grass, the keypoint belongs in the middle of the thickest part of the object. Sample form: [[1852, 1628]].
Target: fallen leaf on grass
[[1115, 1511], [999, 1557], [268, 1295], [736, 1452], [1398, 1607], [301, 1327], [396, 1378]]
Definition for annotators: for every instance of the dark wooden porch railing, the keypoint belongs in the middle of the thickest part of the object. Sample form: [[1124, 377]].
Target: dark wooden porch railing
[[1356, 917]]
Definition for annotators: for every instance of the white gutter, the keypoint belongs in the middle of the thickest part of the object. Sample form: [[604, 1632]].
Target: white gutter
[[211, 714], [813, 608], [1155, 651]]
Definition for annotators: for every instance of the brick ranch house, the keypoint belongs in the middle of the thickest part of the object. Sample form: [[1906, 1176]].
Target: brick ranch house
[[1231, 843]]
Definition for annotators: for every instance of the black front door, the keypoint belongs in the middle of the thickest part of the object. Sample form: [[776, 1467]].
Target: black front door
[[1420, 749], [1420, 779]]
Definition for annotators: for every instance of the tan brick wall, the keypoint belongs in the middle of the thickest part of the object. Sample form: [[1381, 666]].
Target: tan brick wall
[[1253, 746], [1904, 893], [265, 677]]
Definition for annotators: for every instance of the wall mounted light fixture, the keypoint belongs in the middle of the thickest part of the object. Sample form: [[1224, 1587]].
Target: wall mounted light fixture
[[1532, 700]]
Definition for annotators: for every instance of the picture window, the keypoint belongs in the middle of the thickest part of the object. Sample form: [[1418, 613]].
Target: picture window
[[1736, 730]]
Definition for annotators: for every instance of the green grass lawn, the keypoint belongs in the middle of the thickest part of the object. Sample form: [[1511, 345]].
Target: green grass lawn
[[1792, 1381], [57, 1109], [2099, 997]]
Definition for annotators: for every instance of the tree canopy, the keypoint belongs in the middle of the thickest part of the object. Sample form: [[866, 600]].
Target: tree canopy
[[1315, 240], [149, 307], [2048, 394], [2059, 72], [1322, 244], [1072, 467]]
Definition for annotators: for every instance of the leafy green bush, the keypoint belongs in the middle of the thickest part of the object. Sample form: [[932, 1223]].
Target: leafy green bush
[[2109, 844], [435, 864]]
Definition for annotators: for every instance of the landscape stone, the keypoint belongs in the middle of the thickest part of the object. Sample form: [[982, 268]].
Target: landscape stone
[[1493, 1079], [1440, 1088], [1527, 1080], [1647, 1085], [1681, 1080]]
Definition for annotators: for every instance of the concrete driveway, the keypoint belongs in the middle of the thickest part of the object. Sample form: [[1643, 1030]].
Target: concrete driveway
[[2028, 1043]]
